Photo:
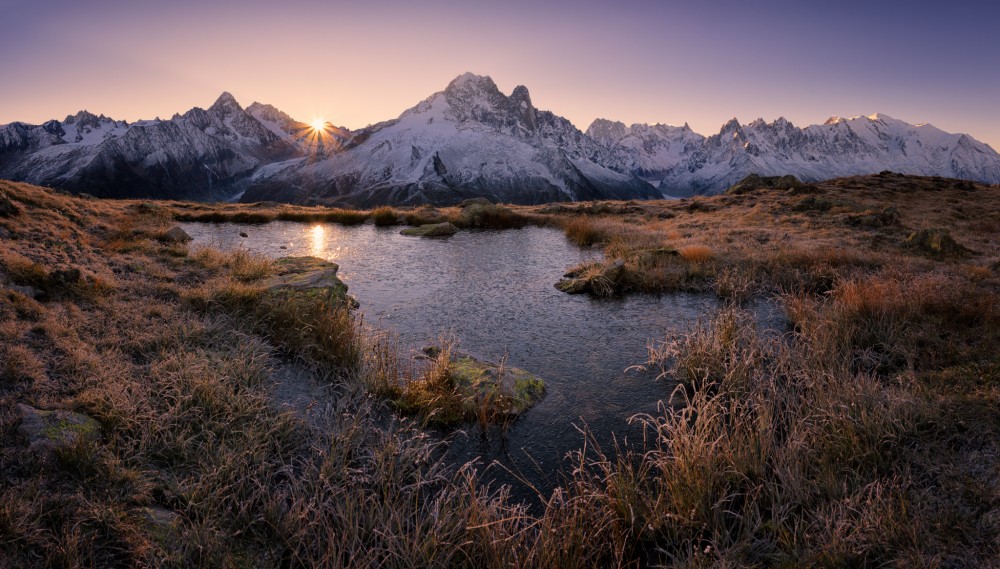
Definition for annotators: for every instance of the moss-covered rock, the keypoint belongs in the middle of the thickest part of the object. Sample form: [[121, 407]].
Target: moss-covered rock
[[936, 242], [163, 525], [459, 388], [48, 431], [512, 389], [310, 275], [812, 203], [431, 230]]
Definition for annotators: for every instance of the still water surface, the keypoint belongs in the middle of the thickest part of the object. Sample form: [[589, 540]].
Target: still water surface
[[493, 291]]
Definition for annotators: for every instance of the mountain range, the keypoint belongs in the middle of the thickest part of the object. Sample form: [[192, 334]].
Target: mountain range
[[468, 140]]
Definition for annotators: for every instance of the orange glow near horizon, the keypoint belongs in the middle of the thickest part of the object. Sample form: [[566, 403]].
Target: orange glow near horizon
[[317, 136], [637, 75]]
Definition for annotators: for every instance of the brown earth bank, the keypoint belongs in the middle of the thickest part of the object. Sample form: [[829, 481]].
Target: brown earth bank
[[138, 427]]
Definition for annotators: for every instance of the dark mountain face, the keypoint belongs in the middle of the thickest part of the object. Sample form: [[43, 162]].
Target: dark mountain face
[[202, 154]]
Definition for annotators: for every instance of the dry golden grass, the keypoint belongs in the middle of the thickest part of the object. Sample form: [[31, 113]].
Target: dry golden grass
[[767, 237], [385, 216], [866, 436], [696, 253]]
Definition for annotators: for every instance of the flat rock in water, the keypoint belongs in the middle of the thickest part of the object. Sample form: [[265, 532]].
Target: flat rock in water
[[307, 274], [47, 431], [431, 230]]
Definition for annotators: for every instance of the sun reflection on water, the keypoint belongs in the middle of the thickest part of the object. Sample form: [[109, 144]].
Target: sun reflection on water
[[318, 243]]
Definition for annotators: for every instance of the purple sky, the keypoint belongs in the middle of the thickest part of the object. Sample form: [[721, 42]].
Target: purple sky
[[355, 63]]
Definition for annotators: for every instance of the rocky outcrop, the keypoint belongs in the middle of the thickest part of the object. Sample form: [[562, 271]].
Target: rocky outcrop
[[310, 275], [755, 182], [936, 242]]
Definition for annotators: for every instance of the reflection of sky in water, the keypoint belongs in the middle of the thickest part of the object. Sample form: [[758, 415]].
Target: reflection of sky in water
[[494, 291]]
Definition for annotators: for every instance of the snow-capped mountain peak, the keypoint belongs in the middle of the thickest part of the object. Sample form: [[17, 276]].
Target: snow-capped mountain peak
[[225, 104], [467, 140], [87, 128], [732, 125]]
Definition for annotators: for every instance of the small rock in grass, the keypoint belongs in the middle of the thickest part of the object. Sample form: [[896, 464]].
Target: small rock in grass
[[48, 431], [176, 235], [28, 291], [7, 207], [66, 277]]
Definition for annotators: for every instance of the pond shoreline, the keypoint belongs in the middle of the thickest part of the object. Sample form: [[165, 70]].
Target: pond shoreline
[[492, 291]]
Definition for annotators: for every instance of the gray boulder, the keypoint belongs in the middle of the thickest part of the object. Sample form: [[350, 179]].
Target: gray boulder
[[176, 235]]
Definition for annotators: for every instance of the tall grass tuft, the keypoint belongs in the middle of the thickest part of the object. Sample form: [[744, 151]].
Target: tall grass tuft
[[584, 232], [490, 216], [385, 216]]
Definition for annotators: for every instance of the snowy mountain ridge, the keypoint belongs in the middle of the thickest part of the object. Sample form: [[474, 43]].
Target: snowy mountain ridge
[[839, 147], [202, 154], [469, 140]]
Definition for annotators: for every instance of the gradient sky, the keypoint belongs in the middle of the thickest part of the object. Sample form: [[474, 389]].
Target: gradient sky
[[355, 63]]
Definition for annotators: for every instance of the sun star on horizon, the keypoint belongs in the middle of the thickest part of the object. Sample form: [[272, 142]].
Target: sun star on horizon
[[318, 124]]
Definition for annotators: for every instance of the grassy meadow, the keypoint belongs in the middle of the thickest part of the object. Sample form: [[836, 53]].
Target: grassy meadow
[[867, 434]]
